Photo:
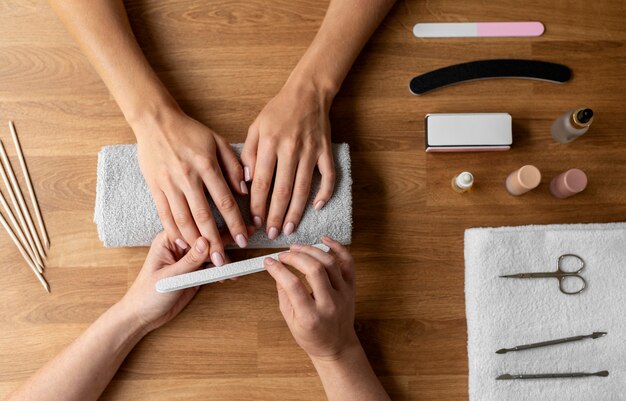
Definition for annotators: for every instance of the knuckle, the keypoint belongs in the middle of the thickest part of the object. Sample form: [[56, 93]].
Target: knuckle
[[331, 175], [312, 321], [260, 184], [333, 260], [164, 214], [203, 215], [191, 257], [291, 284], [181, 219], [316, 268], [282, 192], [301, 187], [185, 169], [206, 164], [226, 203]]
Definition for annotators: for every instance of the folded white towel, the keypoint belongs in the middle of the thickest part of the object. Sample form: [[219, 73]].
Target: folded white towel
[[126, 215], [505, 312]]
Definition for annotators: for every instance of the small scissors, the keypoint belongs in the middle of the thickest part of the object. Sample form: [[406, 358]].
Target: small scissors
[[559, 274]]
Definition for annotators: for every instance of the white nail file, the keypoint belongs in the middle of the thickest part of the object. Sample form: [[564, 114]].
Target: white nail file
[[213, 274]]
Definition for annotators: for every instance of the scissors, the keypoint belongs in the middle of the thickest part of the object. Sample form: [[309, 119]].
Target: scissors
[[560, 274]]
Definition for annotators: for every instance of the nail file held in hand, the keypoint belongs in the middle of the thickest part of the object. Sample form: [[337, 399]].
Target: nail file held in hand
[[213, 274]]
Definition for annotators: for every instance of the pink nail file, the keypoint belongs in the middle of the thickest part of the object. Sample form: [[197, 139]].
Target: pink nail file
[[213, 274], [477, 29]]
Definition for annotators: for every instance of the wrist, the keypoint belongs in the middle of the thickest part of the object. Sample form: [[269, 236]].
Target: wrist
[[308, 80], [352, 351], [153, 115], [125, 316]]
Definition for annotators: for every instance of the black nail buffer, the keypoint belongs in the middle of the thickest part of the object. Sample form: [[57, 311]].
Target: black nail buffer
[[486, 69]]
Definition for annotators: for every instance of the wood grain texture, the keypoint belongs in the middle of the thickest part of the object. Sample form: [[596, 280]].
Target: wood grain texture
[[223, 60]]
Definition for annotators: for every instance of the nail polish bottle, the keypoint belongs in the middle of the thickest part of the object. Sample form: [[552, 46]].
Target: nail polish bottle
[[523, 180], [568, 183], [463, 182], [571, 125]]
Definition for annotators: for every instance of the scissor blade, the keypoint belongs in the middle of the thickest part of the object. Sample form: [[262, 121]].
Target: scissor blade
[[520, 275]]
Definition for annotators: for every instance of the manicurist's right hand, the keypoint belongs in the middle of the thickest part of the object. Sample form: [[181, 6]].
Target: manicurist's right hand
[[321, 322], [179, 158]]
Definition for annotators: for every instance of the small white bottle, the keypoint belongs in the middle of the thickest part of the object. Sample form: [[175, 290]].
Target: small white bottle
[[463, 182], [571, 125]]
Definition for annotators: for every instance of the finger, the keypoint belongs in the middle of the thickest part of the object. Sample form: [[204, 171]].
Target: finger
[[346, 261], [264, 171], [225, 202], [231, 166], [248, 153], [326, 166], [160, 251], [167, 220], [281, 194], [192, 260], [182, 216], [314, 271], [300, 194], [205, 221], [296, 292], [329, 262], [283, 302]]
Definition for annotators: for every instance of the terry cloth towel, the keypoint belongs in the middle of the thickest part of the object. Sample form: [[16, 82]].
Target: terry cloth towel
[[505, 312], [126, 215]]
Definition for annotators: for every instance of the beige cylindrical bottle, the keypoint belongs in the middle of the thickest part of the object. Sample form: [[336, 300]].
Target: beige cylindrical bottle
[[523, 180], [463, 182], [571, 125]]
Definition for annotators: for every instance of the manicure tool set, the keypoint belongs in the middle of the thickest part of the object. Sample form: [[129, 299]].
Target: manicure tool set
[[479, 132]]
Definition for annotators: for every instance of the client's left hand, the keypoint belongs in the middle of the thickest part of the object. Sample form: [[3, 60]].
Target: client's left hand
[[291, 136], [154, 309]]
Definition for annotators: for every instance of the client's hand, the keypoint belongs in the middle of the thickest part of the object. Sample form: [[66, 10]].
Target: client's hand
[[154, 309], [322, 323], [179, 157]]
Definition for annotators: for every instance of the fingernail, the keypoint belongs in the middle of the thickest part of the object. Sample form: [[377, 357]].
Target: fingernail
[[319, 205], [289, 227], [295, 246], [217, 259], [244, 187], [268, 261], [241, 241], [257, 221], [181, 244], [200, 245], [246, 173], [272, 233]]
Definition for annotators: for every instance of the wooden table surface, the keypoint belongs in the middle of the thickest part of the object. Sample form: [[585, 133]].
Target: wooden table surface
[[223, 60]]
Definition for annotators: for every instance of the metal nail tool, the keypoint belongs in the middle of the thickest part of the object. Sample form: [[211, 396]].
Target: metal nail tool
[[593, 336], [507, 376], [560, 274]]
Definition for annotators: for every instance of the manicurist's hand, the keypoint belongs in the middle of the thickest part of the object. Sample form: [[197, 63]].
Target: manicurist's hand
[[291, 136], [322, 322], [179, 158], [151, 308]]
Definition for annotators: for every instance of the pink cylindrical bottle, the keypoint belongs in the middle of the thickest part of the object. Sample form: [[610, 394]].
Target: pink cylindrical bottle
[[523, 180], [568, 183]]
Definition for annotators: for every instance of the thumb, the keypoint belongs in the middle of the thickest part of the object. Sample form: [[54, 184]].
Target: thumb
[[193, 259]]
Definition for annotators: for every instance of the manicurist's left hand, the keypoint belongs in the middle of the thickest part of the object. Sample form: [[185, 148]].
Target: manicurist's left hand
[[291, 136], [154, 309]]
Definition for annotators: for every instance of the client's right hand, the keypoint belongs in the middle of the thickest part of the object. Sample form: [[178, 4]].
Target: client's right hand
[[179, 157]]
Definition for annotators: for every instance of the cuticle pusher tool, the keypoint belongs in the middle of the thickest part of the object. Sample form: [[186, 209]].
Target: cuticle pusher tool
[[593, 335], [603, 373]]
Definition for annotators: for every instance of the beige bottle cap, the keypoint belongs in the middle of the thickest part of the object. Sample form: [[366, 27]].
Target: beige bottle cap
[[523, 180]]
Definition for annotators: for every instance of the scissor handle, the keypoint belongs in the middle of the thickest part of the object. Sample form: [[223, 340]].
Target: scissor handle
[[562, 280], [581, 263]]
